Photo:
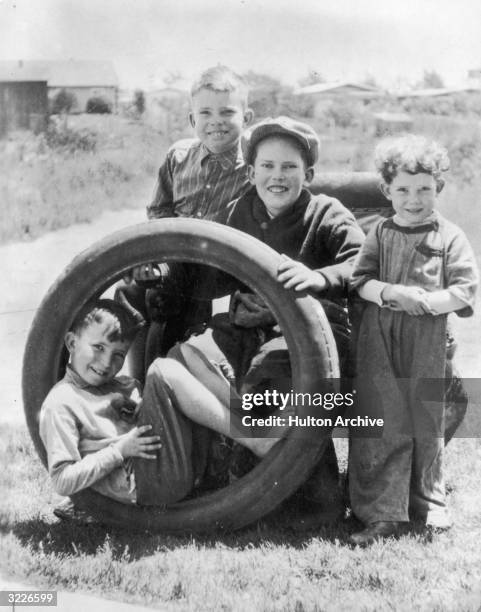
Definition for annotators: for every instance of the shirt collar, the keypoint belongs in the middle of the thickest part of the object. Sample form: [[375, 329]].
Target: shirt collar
[[429, 224], [75, 379], [227, 159], [259, 209], [398, 220]]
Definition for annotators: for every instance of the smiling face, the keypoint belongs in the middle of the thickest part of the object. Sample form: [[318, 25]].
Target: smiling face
[[94, 356], [279, 173], [218, 118], [413, 196]]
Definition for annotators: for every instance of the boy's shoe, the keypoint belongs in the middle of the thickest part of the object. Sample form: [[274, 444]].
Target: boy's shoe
[[433, 528], [376, 531], [68, 512]]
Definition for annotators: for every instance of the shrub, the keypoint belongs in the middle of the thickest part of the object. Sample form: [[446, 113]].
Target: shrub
[[465, 156], [344, 113], [139, 101], [98, 105], [63, 102], [59, 136]]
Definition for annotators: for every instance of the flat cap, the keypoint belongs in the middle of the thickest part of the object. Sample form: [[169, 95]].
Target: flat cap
[[301, 132]]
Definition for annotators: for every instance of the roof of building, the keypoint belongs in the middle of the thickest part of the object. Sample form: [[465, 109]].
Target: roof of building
[[437, 92], [60, 73], [348, 87]]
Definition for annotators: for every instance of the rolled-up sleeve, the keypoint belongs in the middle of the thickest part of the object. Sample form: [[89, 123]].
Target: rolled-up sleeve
[[461, 272], [366, 264], [162, 204]]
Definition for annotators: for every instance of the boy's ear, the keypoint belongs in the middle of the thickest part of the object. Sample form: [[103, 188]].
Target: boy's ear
[[248, 116], [251, 175], [385, 188], [70, 341], [192, 120], [440, 185], [309, 175]]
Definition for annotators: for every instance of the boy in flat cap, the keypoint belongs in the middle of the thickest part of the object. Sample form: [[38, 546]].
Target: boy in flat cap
[[317, 237]]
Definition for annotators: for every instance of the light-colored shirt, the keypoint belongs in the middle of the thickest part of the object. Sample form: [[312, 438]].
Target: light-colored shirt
[[78, 427], [193, 182]]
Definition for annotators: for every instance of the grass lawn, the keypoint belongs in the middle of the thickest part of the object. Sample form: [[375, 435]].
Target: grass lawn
[[269, 566]]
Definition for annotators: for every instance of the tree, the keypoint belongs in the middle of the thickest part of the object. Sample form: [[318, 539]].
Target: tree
[[63, 102], [431, 80], [265, 93], [313, 77], [171, 77], [370, 81], [139, 101]]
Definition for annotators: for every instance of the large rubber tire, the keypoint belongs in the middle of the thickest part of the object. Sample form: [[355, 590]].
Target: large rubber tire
[[302, 320]]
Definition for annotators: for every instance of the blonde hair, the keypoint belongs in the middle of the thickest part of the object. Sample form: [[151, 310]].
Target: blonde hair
[[220, 78]]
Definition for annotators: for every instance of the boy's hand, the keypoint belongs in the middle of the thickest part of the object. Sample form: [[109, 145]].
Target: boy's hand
[[295, 275], [135, 444], [412, 300]]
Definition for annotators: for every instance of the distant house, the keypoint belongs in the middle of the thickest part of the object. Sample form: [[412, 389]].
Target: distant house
[[437, 92], [84, 79], [340, 88], [324, 94]]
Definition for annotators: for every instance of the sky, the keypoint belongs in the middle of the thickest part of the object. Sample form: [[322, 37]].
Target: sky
[[393, 41]]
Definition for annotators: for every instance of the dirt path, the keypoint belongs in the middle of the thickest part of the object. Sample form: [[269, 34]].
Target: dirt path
[[28, 269]]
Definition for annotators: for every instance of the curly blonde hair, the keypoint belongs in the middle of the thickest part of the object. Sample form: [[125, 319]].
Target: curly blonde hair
[[413, 154]]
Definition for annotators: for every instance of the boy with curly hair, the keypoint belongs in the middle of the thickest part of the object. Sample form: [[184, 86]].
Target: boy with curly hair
[[413, 269]]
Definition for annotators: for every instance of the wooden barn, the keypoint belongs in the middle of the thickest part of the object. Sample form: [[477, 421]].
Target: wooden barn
[[23, 99]]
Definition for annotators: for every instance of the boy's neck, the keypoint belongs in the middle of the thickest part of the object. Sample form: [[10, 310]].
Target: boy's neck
[[231, 149], [403, 223], [78, 380]]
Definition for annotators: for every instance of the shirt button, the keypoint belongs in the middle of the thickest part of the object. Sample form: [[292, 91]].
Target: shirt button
[[264, 225], [207, 186], [199, 214]]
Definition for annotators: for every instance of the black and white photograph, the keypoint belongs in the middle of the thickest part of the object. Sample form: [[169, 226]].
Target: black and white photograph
[[240, 330]]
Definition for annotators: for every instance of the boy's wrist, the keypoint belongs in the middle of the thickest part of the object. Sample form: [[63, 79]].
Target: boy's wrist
[[320, 282], [117, 452], [387, 295]]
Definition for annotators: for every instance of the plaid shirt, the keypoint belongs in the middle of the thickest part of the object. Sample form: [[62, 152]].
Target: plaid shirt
[[193, 182]]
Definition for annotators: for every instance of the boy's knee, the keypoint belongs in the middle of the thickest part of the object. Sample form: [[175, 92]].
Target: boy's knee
[[166, 369]]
